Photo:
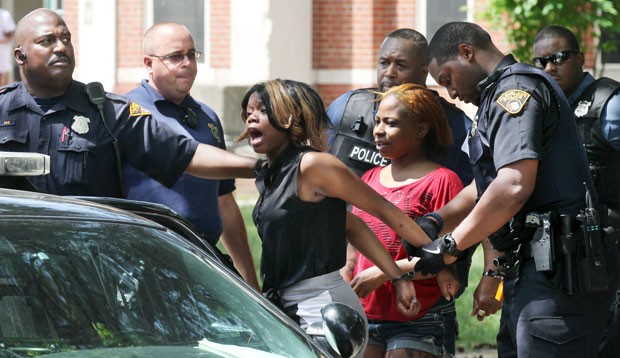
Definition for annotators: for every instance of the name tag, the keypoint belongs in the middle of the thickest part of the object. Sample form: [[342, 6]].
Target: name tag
[[366, 155], [7, 122]]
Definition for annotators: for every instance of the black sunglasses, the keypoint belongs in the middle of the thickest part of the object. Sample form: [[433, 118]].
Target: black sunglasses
[[557, 59]]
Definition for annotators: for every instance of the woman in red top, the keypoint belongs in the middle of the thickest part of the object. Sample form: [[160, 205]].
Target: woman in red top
[[410, 130]]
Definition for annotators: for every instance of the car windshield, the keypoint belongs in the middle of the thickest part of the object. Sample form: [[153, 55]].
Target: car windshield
[[69, 286]]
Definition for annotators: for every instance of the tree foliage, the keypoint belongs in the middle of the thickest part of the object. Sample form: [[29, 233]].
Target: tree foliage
[[522, 19]]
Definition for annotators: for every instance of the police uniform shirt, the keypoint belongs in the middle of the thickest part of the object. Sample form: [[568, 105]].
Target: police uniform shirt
[[610, 115], [193, 198], [82, 156], [518, 118]]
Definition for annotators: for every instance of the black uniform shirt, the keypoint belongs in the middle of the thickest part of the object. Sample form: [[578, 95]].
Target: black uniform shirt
[[72, 132], [519, 118]]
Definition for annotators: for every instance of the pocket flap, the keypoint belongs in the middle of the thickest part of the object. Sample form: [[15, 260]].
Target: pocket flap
[[559, 330]]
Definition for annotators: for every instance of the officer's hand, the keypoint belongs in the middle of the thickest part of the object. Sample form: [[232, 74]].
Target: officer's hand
[[430, 228], [485, 303], [431, 258]]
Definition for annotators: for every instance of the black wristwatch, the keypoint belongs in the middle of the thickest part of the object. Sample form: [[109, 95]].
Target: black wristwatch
[[450, 246]]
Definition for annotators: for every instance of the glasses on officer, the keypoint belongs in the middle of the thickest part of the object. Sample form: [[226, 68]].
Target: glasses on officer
[[178, 57], [557, 59]]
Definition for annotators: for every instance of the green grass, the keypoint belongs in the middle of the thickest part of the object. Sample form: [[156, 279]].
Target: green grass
[[472, 333]]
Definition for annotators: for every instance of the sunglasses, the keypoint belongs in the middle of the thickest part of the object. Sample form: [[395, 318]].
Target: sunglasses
[[557, 59]]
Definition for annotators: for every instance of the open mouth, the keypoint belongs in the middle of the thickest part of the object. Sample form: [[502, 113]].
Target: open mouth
[[255, 136], [381, 144]]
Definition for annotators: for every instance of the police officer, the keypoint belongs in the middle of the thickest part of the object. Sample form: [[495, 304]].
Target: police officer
[[524, 127], [170, 60], [87, 135], [596, 104], [401, 60]]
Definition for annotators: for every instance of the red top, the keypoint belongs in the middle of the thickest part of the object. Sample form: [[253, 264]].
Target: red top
[[416, 199]]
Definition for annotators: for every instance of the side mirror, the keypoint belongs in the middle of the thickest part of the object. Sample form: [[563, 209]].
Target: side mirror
[[344, 329]]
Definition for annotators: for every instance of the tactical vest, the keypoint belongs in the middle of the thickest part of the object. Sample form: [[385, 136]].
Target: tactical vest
[[354, 143], [603, 159]]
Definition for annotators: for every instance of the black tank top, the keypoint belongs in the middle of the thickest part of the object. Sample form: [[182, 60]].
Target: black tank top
[[300, 239]]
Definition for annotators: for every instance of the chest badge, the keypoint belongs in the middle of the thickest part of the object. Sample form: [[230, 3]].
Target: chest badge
[[80, 124], [474, 127], [513, 101], [582, 108]]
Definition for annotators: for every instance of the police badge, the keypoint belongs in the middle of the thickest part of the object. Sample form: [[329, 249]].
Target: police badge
[[80, 124], [216, 132], [582, 108]]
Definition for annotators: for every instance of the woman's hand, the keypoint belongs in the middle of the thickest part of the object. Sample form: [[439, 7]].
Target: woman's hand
[[367, 281], [406, 300]]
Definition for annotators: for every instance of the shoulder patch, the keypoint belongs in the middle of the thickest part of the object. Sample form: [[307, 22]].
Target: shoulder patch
[[513, 101], [135, 110]]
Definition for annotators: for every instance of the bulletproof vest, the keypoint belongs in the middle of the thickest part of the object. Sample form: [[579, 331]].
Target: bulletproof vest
[[541, 200], [354, 143], [603, 159]]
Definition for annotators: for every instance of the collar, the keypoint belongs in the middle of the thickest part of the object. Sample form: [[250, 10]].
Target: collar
[[75, 97], [265, 173], [502, 66], [158, 98], [588, 79]]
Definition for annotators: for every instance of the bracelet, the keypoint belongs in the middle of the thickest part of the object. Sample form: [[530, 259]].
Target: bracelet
[[493, 273], [438, 218], [406, 276]]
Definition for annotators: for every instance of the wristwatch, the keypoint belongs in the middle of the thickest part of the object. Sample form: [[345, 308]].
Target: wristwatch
[[450, 246]]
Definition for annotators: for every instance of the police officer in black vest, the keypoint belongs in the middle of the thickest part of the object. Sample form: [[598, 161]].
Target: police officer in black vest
[[401, 60], [596, 104], [540, 210]]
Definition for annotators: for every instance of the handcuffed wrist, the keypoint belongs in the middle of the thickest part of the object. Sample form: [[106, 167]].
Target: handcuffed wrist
[[406, 276]]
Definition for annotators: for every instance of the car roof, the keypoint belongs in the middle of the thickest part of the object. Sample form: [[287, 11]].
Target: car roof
[[18, 204], [24, 204]]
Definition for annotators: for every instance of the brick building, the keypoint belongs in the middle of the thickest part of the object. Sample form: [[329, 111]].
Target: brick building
[[331, 44]]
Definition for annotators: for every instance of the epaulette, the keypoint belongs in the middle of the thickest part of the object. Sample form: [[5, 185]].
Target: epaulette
[[8, 88]]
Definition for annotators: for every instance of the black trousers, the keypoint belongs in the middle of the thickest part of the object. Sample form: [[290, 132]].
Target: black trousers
[[540, 320]]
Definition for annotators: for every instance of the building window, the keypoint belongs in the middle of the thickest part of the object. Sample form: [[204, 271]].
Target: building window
[[439, 13], [55, 5], [611, 56], [189, 13]]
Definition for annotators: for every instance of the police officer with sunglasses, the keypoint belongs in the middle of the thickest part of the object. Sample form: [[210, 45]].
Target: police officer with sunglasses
[[597, 111]]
